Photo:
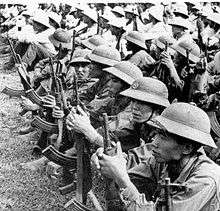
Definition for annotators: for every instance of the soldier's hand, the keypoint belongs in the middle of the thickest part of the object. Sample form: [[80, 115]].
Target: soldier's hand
[[26, 104], [49, 101], [184, 73], [78, 120], [166, 60], [57, 112], [105, 93], [111, 166]]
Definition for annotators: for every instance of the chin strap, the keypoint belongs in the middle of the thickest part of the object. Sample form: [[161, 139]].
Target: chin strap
[[151, 115]]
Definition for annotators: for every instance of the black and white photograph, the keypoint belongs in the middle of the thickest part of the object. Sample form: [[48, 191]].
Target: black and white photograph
[[109, 105]]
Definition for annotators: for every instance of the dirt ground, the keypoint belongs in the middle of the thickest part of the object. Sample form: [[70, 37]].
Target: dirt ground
[[21, 189]]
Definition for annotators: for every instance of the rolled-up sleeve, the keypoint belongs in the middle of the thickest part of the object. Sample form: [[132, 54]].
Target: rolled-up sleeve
[[136, 201], [200, 196]]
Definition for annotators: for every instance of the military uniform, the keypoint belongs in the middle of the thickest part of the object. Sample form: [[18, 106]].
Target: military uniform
[[200, 174]]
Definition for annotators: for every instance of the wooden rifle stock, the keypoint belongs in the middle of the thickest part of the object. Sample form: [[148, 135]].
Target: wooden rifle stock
[[12, 50], [98, 23], [73, 44], [135, 26], [25, 79], [109, 184]]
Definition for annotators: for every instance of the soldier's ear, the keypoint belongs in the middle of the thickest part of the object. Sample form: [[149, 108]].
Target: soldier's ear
[[174, 101]]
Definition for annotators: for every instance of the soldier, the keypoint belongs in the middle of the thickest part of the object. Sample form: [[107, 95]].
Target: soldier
[[176, 153], [39, 46], [149, 97], [101, 57], [121, 76], [137, 41]]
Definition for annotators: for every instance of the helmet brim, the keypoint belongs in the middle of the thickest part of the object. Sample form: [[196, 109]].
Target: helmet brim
[[146, 97], [102, 60], [124, 77], [57, 43], [183, 131]]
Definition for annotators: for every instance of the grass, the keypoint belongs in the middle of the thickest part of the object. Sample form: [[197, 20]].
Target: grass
[[21, 189]]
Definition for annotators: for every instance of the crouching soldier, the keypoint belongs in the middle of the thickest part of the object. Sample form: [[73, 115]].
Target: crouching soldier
[[180, 132], [148, 96]]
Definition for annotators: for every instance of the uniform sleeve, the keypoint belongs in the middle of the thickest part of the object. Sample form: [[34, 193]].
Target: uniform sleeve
[[201, 195], [132, 197]]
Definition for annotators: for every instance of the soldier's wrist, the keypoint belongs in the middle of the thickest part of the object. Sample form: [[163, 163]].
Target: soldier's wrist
[[94, 137]]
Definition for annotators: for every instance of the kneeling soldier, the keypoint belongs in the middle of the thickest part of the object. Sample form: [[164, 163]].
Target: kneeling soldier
[[181, 130]]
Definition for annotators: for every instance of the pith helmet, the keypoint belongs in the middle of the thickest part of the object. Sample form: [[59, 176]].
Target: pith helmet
[[194, 50], [119, 10], [187, 121], [63, 37], [215, 126], [139, 38], [131, 9], [91, 14], [181, 22], [105, 55], [94, 42], [42, 18], [214, 17], [163, 40], [55, 17], [126, 71], [181, 10], [157, 12], [80, 56], [149, 90]]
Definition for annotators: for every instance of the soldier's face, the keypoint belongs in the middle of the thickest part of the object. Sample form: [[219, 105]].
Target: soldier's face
[[165, 148], [115, 85], [141, 112], [82, 71], [177, 31]]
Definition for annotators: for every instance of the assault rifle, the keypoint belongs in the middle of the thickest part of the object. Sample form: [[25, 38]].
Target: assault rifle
[[84, 182], [119, 38], [54, 155], [98, 23], [25, 79], [109, 184], [188, 87], [158, 71], [73, 44], [169, 189], [135, 26], [22, 72]]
